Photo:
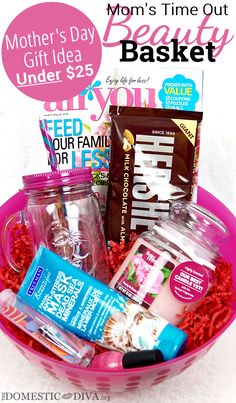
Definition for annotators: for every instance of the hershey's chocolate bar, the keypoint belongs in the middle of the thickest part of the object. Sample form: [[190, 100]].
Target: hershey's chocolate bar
[[153, 161]]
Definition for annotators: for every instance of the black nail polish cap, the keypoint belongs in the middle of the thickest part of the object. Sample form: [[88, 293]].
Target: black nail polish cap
[[141, 358]]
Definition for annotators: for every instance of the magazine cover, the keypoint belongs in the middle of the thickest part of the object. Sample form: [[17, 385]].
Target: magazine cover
[[118, 201]]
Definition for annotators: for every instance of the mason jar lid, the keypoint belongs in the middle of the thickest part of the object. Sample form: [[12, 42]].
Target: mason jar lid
[[66, 177]]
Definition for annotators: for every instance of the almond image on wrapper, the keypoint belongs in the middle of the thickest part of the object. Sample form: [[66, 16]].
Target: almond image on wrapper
[[128, 140]]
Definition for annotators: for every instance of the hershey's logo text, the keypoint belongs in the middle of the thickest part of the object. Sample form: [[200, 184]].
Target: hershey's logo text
[[152, 173]]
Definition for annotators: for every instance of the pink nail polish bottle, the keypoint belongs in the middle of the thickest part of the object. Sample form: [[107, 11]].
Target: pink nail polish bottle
[[117, 360]]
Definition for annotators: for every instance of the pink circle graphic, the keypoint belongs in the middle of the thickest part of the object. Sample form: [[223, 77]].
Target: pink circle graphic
[[51, 51], [189, 282]]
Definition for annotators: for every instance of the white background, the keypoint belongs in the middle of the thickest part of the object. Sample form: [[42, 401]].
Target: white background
[[22, 152]]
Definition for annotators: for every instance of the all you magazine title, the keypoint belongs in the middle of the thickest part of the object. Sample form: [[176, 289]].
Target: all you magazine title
[[118, 201]]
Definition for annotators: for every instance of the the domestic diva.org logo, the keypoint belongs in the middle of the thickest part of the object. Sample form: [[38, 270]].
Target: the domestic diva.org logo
[[53, 396]]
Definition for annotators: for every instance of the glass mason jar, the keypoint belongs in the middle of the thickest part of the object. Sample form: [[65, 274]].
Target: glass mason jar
[[171, 267], [62, 213]]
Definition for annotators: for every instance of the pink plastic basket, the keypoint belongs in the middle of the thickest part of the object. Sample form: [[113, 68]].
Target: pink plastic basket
[[133, 379]]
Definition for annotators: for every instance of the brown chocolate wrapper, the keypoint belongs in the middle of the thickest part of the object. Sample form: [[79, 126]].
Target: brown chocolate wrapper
[[153, 160]]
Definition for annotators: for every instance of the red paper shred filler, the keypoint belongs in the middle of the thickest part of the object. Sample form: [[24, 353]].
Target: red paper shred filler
[[213, 311]]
